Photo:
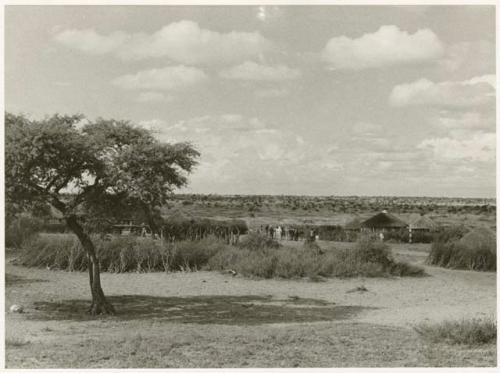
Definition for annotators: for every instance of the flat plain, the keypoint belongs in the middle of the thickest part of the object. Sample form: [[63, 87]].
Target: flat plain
[[208, 319]]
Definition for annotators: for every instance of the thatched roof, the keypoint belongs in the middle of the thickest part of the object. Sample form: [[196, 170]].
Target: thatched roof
[[354, 224], [384, 220], [480, 238], [423, 222]]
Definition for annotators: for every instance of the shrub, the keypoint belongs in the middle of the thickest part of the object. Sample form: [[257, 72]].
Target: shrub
[[257, 256], [474, 250], [20, 229], [256, 241], [118, 254], [470, 332], [368, 258], [400, 235]]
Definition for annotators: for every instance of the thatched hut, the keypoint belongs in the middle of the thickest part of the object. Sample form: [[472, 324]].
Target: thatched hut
[[383, 222], [422, 223], [354, 225]]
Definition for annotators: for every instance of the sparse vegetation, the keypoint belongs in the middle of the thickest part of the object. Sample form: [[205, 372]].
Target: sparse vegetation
[[471, 332], [368, 258], [255, 241], [255, 256], [15, 342]]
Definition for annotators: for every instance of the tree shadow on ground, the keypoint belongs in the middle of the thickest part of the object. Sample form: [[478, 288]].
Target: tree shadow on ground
[[230, 310], [14, 280]]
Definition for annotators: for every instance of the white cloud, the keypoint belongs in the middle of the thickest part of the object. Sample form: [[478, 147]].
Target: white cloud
[[385, 47], [470, 58], [167, 78], [480, 147], [473, 92], [183, 42], [267, 13], [469, 120], [151, 96], [250, 70], [489, 79], [236, 148], [90, 42]]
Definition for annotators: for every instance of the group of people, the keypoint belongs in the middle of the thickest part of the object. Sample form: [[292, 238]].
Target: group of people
[[287, 233]]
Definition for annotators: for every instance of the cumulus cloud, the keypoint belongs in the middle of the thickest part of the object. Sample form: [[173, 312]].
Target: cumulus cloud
[[473, 92], [469, 58], [267, 13], [480, 147], [236, 148], [489, 79], [90, 42], [386, 47], [183, 42], [250, 70], [469, 120], [164, 79]]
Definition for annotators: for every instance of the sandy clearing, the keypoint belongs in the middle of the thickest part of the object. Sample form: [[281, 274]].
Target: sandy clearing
[[444, 294]]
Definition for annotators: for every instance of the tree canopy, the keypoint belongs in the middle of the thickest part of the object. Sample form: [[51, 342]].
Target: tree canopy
[[73, 163]]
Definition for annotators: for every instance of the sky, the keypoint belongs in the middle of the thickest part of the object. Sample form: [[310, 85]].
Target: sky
[[307, 100]]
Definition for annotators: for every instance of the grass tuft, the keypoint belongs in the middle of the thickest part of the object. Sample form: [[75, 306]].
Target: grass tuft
[[15, 342], [471, 332]]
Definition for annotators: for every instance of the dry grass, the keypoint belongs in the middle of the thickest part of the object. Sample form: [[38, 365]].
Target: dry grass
[[367, 258], [205, 319], [15, 342], [455, 248], [118, 254], [471, 332], [256, 256]]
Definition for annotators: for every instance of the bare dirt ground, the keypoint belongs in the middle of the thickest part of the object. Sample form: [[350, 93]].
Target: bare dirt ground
[[208, 319]]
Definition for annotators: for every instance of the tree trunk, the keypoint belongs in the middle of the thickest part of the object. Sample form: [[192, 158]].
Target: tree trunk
[[155, 230], [99, 305]]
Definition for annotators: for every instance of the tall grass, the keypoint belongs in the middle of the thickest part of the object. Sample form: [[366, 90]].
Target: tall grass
[[256, 256], [21, 229], [455, 248], [119, 254], [470, 332], [367, 258]]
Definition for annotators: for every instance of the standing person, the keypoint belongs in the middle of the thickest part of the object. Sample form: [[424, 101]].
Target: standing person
[[267, 230], [311, 235], [271, 232], [278, 233]]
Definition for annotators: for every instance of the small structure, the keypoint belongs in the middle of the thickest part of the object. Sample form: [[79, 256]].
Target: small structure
[[354, 225], [352, 229], [383, 222], [422, 223]]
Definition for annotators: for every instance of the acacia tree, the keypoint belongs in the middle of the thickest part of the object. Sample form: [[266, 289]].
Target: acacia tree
[[95, 167]]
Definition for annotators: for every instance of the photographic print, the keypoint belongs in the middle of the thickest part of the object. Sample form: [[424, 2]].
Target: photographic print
[[250, 186]]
